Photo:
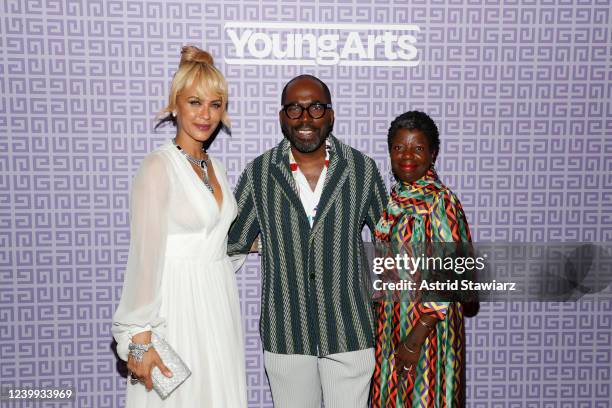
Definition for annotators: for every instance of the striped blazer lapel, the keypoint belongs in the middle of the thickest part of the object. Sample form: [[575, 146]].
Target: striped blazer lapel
[[280, 171], [337, 173]]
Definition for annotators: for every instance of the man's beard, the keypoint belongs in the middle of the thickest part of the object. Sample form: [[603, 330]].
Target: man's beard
[[306, 147]]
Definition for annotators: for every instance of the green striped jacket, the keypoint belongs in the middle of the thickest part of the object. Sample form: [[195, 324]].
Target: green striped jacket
[[315, 281]]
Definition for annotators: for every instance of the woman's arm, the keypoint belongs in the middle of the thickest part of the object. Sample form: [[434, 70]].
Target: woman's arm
[[138, 309], [450, 226]]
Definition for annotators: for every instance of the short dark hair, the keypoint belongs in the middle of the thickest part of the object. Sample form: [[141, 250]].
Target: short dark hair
[[310, 77], [416, 120]]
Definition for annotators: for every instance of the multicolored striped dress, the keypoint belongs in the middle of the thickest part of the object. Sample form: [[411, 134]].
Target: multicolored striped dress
[[422, 211]]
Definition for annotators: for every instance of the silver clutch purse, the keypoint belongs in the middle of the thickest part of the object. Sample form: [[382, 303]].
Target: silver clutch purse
[[180, 372]]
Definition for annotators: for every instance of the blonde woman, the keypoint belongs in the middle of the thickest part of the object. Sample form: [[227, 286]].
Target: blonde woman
[[179, 282]]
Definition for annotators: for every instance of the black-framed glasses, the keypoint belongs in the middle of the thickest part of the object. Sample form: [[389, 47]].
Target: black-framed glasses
[[316, 110]]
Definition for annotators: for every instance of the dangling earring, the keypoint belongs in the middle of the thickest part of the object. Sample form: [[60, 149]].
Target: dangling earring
[[174, 114], [433, 166]]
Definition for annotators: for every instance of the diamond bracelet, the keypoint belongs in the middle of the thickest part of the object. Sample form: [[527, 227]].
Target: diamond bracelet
[[137, 350]]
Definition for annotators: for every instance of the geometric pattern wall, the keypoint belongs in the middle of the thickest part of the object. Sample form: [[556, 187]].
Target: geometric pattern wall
[[522, 93]]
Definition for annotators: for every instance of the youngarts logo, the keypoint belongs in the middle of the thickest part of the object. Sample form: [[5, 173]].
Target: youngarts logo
[[322, 44]]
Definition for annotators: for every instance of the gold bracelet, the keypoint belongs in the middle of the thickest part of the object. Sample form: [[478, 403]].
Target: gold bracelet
[[408, 348]]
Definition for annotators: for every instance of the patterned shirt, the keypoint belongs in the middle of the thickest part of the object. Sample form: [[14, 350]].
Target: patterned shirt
[[316, 291]]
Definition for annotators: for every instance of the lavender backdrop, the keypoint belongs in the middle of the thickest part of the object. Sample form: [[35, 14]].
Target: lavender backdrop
[[522, 92]]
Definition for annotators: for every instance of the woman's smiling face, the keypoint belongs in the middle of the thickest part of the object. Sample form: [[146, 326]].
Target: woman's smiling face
[[197, 115], [411, 155]]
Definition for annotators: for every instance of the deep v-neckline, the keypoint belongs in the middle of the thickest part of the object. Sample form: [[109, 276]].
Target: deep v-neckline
[[200, 183], [218, 204]]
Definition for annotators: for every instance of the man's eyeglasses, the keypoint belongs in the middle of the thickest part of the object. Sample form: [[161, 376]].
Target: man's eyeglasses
[[315, 110]]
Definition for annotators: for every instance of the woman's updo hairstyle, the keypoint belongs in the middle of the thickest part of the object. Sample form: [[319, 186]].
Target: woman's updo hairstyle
[[190, 53], [196, 67]]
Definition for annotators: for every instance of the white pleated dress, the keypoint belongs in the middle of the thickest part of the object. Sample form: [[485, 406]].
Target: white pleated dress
[[180, 283]]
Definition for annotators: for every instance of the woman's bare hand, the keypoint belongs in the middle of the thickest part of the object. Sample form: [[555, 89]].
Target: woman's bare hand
[[407, 356]]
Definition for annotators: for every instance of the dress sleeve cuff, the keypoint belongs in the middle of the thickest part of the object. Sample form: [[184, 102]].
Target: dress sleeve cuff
[[124, 339], [438, 309]]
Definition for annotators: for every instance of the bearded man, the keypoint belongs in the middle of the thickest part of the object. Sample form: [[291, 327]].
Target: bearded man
[[308, 198]]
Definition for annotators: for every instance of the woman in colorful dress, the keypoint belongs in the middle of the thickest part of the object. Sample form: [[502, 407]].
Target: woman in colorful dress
[[179, 282], [420, 358]]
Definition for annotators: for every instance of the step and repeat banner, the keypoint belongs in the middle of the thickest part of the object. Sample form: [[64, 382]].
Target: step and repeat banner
[[521, 91]]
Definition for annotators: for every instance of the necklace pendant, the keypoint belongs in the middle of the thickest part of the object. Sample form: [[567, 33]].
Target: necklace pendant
[[205, 180], [207, 183], [202, 164]]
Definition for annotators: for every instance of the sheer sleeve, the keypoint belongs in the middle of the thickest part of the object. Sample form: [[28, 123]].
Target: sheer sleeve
[[138, 308]]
